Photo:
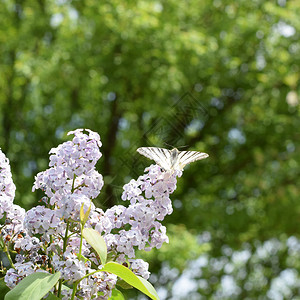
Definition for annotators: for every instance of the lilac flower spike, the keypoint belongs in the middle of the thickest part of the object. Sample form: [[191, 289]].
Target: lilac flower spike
[[149, 204], [47, 238]]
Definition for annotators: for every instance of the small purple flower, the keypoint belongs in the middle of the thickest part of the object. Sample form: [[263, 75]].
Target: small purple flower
[[7, 187], [5, 205], [42, 220], [139, 267], [14, 276]]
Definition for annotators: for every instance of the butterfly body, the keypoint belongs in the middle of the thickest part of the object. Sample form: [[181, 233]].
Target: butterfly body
[[171, 160]]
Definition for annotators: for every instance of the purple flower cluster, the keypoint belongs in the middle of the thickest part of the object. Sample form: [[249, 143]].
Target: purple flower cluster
[[72, 169], [7, 187], [12, 231], [42, 220], [13, 227], [21, 270], [149, 204], [48, 238]]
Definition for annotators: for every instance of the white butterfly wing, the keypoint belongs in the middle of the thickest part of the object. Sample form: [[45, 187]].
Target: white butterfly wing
[[187, 157], [160, 155]]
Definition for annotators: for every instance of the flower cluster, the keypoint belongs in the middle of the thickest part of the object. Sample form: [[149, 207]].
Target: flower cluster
[[48, 238], [149, 204], [7, 187], [14, 214], [42, 220]]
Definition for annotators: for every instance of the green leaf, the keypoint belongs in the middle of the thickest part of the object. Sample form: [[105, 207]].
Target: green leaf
[[81, 257], [148, 285], [95, 239], [128, 276], [123, 284], [64, 287], [33, 287], [84, 215], [81, 213], [116, 295], [52, 297]]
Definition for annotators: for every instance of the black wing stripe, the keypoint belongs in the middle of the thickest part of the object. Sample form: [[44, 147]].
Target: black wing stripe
[[157, 154], [166, 162], [182, 154], [163, 157], [192, 157], [188, 156]]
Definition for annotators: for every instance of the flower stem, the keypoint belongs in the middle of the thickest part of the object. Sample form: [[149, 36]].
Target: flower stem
[[64, 250], [6, 250], [81, 240], [66, 237], [51, 255], [74, 289]]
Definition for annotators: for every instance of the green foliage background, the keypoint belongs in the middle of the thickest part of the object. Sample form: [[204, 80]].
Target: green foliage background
[[219, 76]]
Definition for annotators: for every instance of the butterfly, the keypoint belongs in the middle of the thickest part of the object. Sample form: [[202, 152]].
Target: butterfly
[[171, 160]]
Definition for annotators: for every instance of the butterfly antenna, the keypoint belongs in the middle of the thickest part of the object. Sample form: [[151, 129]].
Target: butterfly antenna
[[171, 146], [179, 147], [185, 146]]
